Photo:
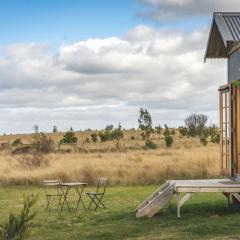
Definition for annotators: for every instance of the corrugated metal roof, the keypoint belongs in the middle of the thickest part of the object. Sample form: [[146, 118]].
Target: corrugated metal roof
[[224, 34], [233, 23]]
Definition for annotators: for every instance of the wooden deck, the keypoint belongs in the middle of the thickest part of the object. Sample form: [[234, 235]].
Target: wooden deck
[[228, 187], [183, 190]]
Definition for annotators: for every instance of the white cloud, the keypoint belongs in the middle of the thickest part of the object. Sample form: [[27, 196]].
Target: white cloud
[[99, 81], [169, 10]]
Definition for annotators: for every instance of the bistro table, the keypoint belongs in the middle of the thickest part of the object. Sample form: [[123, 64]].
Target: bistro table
[[78, 187]]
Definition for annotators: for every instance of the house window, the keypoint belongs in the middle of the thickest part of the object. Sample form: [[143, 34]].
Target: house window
[[225, 128]]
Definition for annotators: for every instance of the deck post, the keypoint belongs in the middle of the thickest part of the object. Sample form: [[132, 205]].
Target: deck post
[[178, 204]]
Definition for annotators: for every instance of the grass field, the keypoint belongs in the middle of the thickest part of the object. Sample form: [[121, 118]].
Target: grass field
[[186, 159], [205, 216]]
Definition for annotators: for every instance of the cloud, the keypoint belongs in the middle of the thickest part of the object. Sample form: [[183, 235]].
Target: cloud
[[170, 10], [98, 81]]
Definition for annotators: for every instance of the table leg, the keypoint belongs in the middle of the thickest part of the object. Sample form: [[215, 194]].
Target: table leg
[[65, 194], [80, 192]]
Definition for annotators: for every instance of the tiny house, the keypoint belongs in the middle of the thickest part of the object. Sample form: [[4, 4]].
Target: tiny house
[[224, 42]]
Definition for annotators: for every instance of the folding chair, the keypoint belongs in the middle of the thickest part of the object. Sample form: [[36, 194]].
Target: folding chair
[[52, 190], [96, 197]]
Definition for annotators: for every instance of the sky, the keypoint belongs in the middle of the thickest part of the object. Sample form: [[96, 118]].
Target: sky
[[90, 63]]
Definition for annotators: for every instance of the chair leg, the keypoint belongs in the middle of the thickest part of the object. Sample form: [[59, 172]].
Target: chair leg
[[100, 202], [48, 202], [90, 204]]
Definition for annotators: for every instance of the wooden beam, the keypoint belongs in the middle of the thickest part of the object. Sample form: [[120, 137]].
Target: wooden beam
[[185, 198]]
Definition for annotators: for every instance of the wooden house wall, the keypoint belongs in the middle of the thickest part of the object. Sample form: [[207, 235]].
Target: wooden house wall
[[234, 67]]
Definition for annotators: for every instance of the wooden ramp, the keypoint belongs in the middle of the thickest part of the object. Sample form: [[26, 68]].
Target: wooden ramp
[[156, 201]]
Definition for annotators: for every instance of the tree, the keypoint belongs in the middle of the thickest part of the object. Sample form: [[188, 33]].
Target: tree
[[109, 127], [145, 123], [195, 124], [55, 130], [36, 128]]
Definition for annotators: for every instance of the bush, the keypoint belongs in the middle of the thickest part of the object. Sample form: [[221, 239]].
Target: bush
[[69, 137], [203, 140], [183, 131], [166, 130], [17, 142], [132, 138], [18, 225], [215, 138], [94, 137], [168, 140], [105, 136], [158, 129], [117, 133], [42, 143], [111, 134], [150, 144]]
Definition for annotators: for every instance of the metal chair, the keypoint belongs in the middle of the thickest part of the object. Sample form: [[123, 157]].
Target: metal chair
[[52, 190], [96, 197]]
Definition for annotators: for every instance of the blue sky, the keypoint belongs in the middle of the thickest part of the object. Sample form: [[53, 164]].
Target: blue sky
[[57, 21], [89, 63]]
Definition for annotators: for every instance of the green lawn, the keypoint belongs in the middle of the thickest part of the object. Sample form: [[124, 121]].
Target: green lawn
[[205, 216]]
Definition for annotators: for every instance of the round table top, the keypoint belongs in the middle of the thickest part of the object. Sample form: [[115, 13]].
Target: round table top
[[72, 183]]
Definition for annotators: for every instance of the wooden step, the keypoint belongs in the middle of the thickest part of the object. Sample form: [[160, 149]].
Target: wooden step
[[156, 203], [153, 195]]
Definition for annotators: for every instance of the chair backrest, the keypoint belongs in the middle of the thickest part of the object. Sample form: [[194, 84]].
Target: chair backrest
[[51, 186], [102, 185]]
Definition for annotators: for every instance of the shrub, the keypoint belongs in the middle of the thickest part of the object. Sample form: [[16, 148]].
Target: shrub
[[117, 133], [105, 136], [111, 134], [94, 137], [158, 129], [168, 140], [17, 225], [42, 143], [17, 142], [166, 130], [215, 138], [203, 140], [195, 124], [183, 131], [69, 137], [150, 144], [132, 138]]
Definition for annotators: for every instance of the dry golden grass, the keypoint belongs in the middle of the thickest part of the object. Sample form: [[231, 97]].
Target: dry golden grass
[[132, 167], [187, 159]]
